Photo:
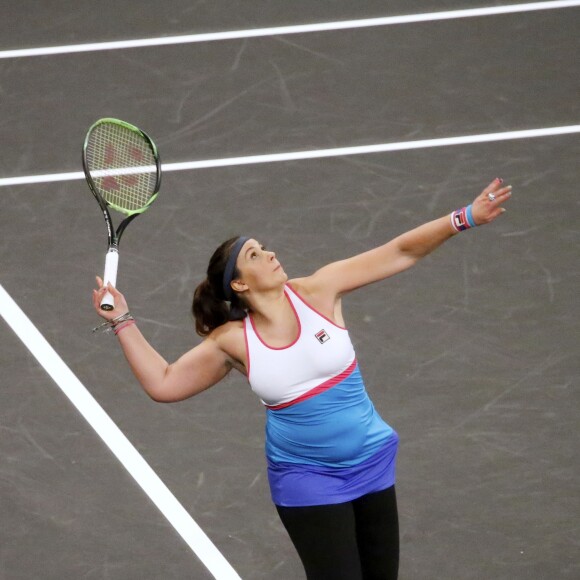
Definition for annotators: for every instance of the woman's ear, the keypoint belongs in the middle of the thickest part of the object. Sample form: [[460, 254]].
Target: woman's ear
[[239, 286]]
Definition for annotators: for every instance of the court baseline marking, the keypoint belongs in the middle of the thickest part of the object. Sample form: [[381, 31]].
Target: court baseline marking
[[114, 438], [318, 154], [293, 29]]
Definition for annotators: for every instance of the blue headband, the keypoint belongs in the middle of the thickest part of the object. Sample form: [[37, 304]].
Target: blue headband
[[231, 266]]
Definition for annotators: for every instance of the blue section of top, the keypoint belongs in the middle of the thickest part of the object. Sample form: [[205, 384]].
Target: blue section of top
[[337, 428], [305, 485]]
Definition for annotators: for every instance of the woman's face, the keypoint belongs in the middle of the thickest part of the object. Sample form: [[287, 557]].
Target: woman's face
[[259, 268]]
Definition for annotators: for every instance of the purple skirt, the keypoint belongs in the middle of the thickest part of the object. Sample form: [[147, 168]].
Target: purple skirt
[[294, 485]]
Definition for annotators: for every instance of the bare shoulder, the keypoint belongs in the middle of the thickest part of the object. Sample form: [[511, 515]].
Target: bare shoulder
[[302, 286], [312, 288], [319, 296]]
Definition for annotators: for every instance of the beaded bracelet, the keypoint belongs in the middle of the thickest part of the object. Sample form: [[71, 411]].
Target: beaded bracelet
[[462, 219], [119, 327], [111, 324]]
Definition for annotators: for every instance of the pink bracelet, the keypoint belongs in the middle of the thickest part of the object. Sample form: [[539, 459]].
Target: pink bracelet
[[118, 329], [462, 219]]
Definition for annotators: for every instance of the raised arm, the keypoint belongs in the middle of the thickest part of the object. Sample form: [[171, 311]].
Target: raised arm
[[194, 372], [405, 250]]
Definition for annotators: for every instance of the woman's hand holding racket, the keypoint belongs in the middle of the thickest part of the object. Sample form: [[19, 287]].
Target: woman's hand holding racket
[[120, 307], [487, 205]]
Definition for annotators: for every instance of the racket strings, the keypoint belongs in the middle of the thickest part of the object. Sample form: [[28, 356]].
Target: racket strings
[[122, 165]]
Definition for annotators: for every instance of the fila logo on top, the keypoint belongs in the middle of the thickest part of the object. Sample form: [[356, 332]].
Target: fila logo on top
[[322, 336]]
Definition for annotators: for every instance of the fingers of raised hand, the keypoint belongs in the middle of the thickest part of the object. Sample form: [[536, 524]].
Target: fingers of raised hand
[[486, 206], [495, 184], [498, 196], [496, 192]]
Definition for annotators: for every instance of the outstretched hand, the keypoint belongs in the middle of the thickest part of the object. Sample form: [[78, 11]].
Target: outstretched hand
[[487, 205], [120, 302]]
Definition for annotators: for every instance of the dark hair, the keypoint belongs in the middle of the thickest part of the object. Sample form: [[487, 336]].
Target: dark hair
[[210, 308]]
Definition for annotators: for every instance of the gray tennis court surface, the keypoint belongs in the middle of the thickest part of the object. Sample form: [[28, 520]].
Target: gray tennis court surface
[[472, 356]]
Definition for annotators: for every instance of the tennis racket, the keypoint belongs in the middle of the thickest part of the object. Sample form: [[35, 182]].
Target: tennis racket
[[123, 170]]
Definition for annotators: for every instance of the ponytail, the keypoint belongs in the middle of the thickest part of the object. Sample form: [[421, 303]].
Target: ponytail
[[210, 308], [209, 312]]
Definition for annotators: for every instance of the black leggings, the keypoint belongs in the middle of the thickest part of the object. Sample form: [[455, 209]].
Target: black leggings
[[357, 540]]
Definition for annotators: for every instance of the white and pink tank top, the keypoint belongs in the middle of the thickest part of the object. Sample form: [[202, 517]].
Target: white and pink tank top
[[320, 357]]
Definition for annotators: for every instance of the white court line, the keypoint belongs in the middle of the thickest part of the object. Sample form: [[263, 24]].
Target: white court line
[[296, 29], [318, 154], [115, 440]]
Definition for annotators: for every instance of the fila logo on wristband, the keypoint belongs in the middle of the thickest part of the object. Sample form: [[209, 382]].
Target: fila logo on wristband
[[461, 219]]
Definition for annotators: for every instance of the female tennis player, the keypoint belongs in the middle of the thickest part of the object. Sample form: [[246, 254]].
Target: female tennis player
[[330, 456]]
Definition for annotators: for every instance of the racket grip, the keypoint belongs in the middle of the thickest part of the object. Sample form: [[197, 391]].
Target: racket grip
[[111, 265]]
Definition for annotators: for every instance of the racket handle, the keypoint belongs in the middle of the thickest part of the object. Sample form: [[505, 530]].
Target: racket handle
[[111, 264]]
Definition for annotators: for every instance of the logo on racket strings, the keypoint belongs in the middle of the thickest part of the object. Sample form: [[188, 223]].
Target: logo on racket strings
[[112, 183]]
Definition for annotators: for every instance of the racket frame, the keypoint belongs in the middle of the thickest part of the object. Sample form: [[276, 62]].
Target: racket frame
[[114, 236]]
